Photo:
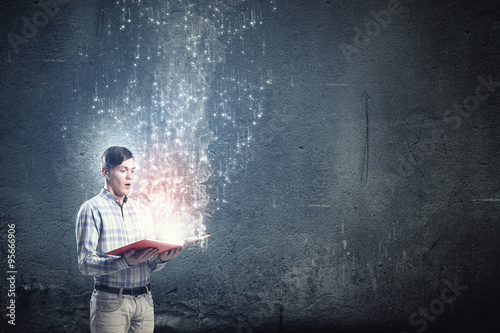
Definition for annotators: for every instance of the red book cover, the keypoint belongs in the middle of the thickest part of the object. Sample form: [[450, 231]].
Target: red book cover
[[145, 243]]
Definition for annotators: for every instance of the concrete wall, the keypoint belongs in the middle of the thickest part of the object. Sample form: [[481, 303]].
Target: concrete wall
[[367, 199]]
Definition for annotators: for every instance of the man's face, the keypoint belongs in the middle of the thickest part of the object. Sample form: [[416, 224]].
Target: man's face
[[120, 178]]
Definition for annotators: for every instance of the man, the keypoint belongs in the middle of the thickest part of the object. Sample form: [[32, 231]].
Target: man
[[121, 300]]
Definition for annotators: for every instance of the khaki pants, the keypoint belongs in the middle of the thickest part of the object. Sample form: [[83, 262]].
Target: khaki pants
[[112, 313]]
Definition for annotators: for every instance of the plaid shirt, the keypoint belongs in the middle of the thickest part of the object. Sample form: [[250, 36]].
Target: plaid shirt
[[102, 225]]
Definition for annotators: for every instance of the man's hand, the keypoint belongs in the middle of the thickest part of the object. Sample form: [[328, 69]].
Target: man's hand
[[132, 257], [164, 256]]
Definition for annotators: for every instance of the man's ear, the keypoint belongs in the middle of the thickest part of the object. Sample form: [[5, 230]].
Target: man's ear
[[105, 173]]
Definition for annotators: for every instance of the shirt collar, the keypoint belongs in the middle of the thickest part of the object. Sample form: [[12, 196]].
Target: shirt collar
[[106, 194]]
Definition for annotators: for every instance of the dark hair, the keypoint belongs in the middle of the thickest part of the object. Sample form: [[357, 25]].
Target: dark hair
[[114, 156]]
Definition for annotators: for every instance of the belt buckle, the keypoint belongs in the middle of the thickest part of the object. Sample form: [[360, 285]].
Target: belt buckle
[[137, 291]]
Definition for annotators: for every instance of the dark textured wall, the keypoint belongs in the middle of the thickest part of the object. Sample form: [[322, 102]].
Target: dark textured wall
[[368, 201]]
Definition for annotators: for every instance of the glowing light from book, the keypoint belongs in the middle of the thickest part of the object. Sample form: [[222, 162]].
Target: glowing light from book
[[167, 94]]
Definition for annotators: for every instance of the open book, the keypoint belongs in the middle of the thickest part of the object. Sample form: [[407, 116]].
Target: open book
[[161, 246]]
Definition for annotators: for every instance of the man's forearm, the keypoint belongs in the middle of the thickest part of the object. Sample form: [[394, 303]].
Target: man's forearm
[[96, 266]]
